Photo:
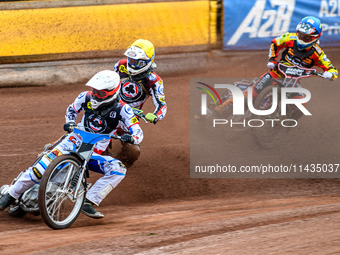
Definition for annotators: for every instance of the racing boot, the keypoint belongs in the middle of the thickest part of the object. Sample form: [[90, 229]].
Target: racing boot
[[5, 201], [88, 210]]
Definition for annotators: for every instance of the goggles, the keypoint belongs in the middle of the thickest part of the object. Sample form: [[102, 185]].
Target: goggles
[[101, 94], [137, 63], [306, 38]]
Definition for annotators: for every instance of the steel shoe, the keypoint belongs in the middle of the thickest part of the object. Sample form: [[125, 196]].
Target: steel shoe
[[5, 201], [88, 210]]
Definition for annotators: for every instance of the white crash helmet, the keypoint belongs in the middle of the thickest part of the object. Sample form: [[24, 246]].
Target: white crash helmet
[[140, 56], [105, 88]]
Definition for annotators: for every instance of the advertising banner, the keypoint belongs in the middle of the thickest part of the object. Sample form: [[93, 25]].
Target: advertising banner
[[251, 25]]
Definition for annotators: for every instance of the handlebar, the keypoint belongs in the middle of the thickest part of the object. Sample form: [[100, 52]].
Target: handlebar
[[115, 137], [139, 113], [319, 74], [69, 127], [314, 72], [72, 127]]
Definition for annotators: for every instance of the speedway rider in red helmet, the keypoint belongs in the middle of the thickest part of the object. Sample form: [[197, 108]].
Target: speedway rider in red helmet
[[104, 112], [140, 82], [301, 49]]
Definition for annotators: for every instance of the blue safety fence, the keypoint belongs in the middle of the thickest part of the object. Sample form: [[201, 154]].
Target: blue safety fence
[[252, 24]]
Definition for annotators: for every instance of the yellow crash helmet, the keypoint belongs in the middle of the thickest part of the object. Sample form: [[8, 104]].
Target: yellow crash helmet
[[140, 56]]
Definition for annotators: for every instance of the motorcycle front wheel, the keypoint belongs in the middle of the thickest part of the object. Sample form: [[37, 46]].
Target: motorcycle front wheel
[[271, 134], [58, 204]]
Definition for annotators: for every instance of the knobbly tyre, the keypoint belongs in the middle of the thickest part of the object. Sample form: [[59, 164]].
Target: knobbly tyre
[[63, 185]]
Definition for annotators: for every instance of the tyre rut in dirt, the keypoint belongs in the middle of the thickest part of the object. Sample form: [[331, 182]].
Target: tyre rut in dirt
[[56, 204]]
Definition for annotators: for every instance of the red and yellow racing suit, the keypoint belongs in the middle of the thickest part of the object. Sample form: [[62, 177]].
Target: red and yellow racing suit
[[314, 56], [308, 58]]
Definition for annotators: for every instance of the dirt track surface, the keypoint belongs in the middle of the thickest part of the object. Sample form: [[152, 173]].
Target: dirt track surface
[[158, 209]]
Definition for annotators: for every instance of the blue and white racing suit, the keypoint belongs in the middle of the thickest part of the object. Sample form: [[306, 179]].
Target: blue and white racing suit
[[112, 169]]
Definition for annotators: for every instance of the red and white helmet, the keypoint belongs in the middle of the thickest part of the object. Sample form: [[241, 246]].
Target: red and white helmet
[[105, 88]]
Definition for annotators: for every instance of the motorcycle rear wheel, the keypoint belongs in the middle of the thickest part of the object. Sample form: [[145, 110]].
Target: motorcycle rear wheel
[[57, 207]]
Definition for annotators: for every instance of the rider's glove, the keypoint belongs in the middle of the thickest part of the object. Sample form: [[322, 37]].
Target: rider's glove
[[126, 138], [151, 118], [327, 75], [68, 127], [271, 65]]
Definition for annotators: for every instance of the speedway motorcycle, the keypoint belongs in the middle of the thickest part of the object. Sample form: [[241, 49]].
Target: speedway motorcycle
[[61, 193], [264, 101]]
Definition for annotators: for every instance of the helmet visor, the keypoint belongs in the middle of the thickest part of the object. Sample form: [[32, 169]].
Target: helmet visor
[[101, 94], [137, 63], [306, 38]]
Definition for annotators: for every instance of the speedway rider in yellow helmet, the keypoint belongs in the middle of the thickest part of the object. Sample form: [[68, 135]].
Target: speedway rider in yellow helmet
[[138, 83]]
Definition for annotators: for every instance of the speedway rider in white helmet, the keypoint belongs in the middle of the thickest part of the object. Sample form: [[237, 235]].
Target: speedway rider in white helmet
[[139, 82], [104, 112]]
